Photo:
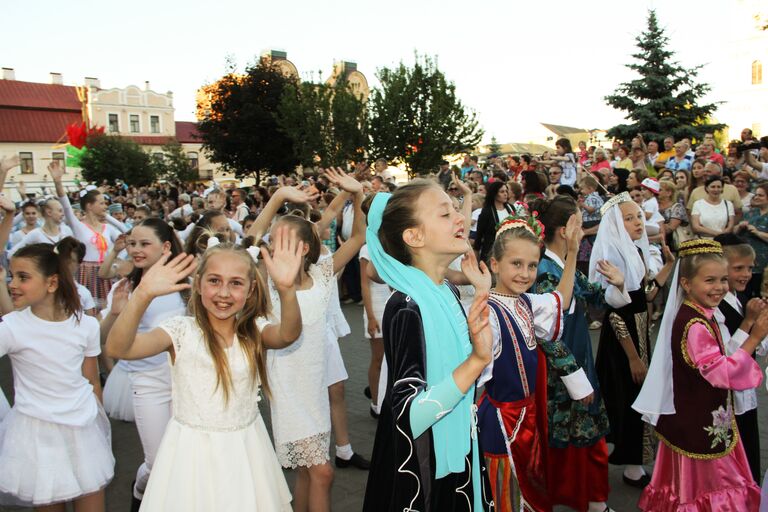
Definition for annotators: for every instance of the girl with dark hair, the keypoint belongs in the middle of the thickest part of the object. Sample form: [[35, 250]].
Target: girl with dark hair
[[57, 432], [578, 422], [567, 161], [713, 215], [149, 377], [495, 209], [210, 223], [534, 184], [97, 235], [72, 251], [216, 453], [52, 231]]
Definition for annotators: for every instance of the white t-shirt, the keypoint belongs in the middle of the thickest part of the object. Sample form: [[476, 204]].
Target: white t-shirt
[[181, 211], [713, 216], [375, 287], [242, 212], [159, 309], [86, 299], [347, 220], [47, 359], [38, 236], [475, 217]]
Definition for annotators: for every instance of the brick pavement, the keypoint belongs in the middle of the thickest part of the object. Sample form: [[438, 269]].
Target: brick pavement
[[349, 484]]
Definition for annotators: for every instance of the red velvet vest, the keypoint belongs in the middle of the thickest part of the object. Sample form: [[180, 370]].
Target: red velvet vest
[[704, 425]]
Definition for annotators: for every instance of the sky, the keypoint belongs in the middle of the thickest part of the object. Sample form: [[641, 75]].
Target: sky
[[514, 63]]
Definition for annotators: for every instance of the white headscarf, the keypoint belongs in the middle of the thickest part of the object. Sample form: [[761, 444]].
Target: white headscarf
[[657, 395], [614, 244]]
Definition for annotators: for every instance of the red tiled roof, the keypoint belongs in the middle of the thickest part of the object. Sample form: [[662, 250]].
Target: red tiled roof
[[186, 131], [14, 93], [19, 125]]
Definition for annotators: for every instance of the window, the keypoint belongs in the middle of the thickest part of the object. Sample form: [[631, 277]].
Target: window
[[160, 157], [134, 123], [26, 163], [154, 124], [114, 125], [59, 157], [757, 72], [194, 162]]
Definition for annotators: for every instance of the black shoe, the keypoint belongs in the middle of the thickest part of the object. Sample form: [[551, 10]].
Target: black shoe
[[640, 483], [367, 392], [357, 461], [374, 414], [135, 502]]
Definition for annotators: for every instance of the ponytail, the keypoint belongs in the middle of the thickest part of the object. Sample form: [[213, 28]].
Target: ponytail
[[50, 263]]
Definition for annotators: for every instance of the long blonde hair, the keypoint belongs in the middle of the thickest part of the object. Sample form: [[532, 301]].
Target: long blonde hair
[[248, 335]]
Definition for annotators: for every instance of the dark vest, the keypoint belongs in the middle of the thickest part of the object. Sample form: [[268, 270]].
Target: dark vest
[[733, 318], [694, 431]]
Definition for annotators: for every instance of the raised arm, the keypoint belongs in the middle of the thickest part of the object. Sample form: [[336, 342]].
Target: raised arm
[[573, 236], [6, 164], [6, 225], [282, 195], [337, 205]]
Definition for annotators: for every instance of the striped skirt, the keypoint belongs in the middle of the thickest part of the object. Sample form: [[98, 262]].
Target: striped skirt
[[99, 288]]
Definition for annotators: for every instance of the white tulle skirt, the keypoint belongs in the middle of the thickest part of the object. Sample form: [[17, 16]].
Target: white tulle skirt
[[200, 470], [42, 463], [118, 395], [4, 406]]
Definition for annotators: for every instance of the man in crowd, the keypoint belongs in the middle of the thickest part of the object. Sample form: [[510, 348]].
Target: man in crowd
[[444, 175], [240, 209]]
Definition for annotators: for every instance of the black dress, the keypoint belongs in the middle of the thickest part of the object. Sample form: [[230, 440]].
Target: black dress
[[632, 438], [402, 474]]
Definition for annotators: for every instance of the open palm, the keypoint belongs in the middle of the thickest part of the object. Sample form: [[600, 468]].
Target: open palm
[[56, 170], [287, 256], [343, 181], [164, 276]]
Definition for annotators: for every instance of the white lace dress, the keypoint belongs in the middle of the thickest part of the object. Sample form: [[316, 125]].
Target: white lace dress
[[301, 415], [215, 455]]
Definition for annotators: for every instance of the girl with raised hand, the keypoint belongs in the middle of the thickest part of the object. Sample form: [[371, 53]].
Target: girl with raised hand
[[97, 235], [300, 406], [216, 453], [577, 458], [149, 377], [413, 236], [55, 443], [624, 352], [701, 463]]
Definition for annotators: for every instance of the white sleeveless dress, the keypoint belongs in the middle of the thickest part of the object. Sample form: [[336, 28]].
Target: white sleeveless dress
[[301, 415], [214, 455]]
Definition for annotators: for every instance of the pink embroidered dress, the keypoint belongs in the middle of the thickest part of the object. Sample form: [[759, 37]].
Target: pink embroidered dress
[[701, 464]]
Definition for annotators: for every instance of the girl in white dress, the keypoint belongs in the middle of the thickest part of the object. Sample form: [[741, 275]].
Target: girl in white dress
[[148, 394], [300, 410], [216, 453], [55, 442], [51, 232]]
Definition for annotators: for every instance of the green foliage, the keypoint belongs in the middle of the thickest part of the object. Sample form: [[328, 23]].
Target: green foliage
[[494, 146], [111, 157], [326, 124], [416, 118], [239, 127], [665, 99], [173, 165]]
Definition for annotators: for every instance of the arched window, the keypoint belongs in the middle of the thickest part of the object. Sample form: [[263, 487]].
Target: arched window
[[757, 72]]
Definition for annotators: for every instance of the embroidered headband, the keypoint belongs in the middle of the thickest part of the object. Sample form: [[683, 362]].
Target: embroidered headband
[[528, 222], [700, 246], [617, 199]]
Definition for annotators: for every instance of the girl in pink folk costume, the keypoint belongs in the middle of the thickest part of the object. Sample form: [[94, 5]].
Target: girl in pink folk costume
[[55, 442], [701, 464], [216, 453]]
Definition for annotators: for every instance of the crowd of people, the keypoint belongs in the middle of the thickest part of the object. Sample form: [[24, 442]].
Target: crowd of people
[[479, 284]]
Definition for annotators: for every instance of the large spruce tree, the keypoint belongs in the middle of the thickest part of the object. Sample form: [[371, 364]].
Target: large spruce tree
[[664, 100]]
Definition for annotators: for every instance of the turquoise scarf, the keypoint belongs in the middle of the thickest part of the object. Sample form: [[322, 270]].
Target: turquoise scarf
[[447, 346]]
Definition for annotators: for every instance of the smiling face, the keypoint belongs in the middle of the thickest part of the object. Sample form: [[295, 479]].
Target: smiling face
[[740, 272], [634, 220], [224, 285], [714, 189], [441, 228], [760, 198], [144, 247], [709, 285], [516, 270], [28, 285]]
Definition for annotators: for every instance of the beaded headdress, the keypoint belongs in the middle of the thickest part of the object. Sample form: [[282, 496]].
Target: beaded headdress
[[617, 199], [700, 246], [528, 222]]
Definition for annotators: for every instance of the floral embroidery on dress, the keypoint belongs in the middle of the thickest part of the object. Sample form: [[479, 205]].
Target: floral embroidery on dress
[[720, 430]]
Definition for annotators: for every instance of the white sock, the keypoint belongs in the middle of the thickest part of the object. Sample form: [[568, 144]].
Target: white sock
[[634, 472], [138, 495], [344, 452], [375, 408], [597, 506]]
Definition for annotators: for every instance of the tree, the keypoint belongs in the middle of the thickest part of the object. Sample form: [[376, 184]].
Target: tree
[[172, 164], [494, 146], [239, 126], [416, 118], [665, 99], [326, 123], [110, 157]]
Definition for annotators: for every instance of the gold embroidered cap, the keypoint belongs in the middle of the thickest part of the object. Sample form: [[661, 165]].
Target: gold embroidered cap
[[617, 199], [699, 246]]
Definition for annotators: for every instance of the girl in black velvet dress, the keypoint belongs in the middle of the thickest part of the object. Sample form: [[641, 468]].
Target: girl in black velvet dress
[[425, 455]]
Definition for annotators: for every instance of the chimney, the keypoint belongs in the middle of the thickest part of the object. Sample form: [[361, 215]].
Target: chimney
[[146, 85], [9, 74], [57, 79], [93, 82]]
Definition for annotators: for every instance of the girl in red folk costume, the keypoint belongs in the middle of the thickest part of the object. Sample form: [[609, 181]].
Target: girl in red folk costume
[[512, 411], [701, 465]]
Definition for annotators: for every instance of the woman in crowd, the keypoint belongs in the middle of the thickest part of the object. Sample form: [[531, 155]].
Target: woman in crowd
[[495, 208], [712, 215], [671, 209], [755, 229], [740, 180]]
